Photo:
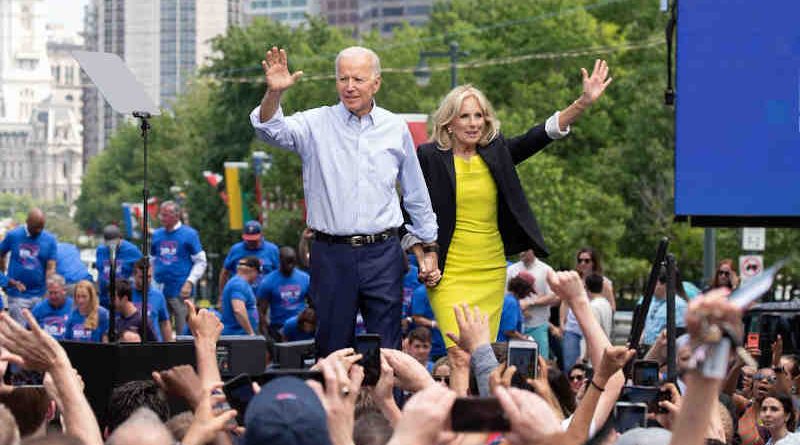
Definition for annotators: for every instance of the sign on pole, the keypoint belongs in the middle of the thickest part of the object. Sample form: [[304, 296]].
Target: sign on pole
[[750, 266], [754, 239]]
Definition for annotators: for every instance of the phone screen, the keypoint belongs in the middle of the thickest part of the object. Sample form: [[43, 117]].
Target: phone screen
[[645, 373], [472, 414], [629, 415], [239, 392], [16, 376], [369, 346], [524, 356], [648, 395]]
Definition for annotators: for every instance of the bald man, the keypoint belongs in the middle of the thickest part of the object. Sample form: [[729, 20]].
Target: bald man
[[33, 259]]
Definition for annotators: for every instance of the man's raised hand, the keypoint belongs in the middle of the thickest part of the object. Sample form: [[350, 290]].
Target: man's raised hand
[[276, 71]]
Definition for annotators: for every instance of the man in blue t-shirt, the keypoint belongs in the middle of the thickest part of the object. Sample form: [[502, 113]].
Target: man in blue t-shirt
[[70, 266], [410, 283], [283, 291], [156, 305], [33, 259], [239, 313], [302, 326], [52, 314], [422, 313], [252, 244], [179, 260], [511, 320], [126, 255]]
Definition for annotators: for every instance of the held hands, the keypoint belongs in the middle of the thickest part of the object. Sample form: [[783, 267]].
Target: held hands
[[276, 71], [595, 85]]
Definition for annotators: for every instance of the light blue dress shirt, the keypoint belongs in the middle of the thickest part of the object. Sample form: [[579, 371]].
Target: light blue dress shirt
[[656, 320], [351, 167]]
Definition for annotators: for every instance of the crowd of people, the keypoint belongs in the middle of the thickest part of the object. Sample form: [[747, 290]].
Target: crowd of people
[[425, 269]]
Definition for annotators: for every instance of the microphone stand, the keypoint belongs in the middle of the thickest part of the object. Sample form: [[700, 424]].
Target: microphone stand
[[112, 289], [144, 126]]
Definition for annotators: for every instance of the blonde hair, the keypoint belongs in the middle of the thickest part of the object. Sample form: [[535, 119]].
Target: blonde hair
[[91, 318], [449, 108]]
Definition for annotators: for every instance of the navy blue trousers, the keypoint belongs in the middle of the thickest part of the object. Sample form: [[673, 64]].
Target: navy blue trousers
[[345, 279]]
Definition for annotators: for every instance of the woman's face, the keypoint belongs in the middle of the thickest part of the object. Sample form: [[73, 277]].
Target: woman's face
[[724, 275], [467, 127], [576, 379], [772, 414], [442, 374], [585, 263], [82, 300]]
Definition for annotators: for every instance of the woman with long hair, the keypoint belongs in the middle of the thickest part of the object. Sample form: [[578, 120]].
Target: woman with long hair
[[88, 321]]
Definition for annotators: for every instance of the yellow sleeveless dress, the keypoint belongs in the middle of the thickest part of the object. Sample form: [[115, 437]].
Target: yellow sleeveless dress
[[475, 269]]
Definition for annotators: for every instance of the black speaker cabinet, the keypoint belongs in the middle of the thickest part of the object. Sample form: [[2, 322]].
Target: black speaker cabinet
[[238, 354]]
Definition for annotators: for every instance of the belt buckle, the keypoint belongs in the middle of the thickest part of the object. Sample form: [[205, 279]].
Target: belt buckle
[[358, 240]]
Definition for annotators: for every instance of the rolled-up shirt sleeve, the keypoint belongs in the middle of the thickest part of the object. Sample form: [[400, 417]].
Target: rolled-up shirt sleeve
[[416, 200], [288, 133], [553, 129]]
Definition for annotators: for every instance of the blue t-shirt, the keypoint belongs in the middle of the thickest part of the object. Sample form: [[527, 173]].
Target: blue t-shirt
[[127, 255], [286, 295], [410, 283], [52, 320], [237, 288], [76, 330], [28, 263], [292, 332], [172, 252], [3, 284], [69, 264], [656, 320], [420, 305], [267, 254], [510, 318], [156, 308]]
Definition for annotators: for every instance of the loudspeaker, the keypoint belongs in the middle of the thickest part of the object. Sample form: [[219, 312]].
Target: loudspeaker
[[295, 354], [237, 354], [104, 366]]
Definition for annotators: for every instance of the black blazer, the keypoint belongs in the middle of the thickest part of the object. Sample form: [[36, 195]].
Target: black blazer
[[515, 220]]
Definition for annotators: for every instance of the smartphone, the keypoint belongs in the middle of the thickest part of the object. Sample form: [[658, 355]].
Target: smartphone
[[369, 346], [478, 414], [752, 340], [629, 415], [302, 374], [649, 395], [16, 376], [239, 392], [645, 373], [524, 355]]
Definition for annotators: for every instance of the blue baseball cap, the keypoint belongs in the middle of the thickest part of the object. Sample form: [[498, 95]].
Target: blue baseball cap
[[252, 231], [286, 412]]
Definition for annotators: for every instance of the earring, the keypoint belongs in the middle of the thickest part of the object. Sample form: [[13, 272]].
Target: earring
[[449, 130]]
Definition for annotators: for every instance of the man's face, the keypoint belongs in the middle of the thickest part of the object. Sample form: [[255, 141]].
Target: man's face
[[119, 303], [764, 381], [357, 83], [420, 351], [168, 216], [288, 262], [250, 274], [35, 226], [253, 244], [137, 277], [527, 257], [56, 294]]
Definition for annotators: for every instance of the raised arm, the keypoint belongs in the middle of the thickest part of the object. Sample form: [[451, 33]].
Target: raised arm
[[276, 72], [593, 88]]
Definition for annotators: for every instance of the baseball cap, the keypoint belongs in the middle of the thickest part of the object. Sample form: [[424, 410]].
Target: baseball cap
[[252, 231], [286, 412], [645, 436]]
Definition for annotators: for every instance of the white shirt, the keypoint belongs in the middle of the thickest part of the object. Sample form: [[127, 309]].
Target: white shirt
[[603, 313], [535, 315]]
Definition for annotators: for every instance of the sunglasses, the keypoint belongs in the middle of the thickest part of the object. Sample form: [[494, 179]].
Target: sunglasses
[[768, 378], [584, 260], [577, 377], [443, 379], [724, 273]]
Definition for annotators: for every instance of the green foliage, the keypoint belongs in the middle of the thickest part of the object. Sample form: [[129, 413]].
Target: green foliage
[[58, 222]]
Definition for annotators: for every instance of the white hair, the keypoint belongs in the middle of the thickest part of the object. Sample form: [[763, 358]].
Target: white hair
[[355, 51], [56, 279], [143, 427]]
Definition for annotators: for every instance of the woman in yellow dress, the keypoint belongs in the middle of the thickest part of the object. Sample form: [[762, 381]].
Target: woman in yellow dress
[[480, 206]]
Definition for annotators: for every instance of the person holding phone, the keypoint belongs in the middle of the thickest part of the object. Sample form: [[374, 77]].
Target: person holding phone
[[481, 209]]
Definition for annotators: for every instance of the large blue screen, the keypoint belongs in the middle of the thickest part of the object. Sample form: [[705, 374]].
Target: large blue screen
[[738, 108]]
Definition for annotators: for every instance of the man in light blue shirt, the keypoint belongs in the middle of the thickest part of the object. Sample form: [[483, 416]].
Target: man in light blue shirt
[[656, 320], [353, 153]]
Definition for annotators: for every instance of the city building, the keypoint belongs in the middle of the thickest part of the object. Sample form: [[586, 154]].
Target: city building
[[341, 13], [40, 129], [290, 12], [386, 15], [163, 42]]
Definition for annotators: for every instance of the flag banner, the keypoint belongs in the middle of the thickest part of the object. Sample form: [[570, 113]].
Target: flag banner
[[132, 217]]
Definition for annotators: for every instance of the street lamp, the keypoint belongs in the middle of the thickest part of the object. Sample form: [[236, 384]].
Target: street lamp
[[423, 72]]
